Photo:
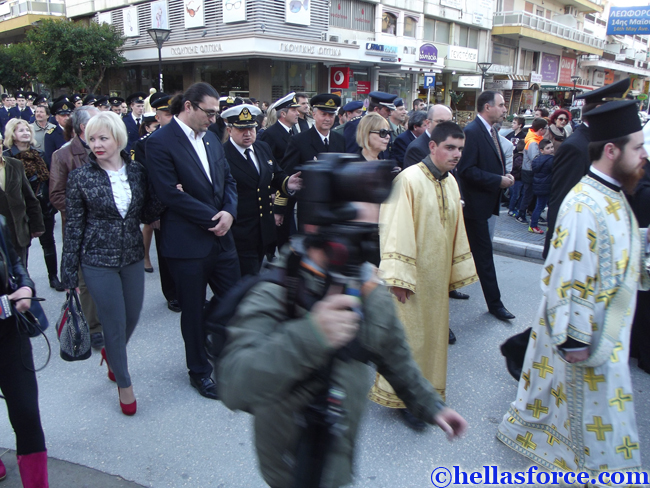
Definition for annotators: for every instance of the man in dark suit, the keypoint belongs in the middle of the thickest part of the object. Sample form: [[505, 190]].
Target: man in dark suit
[[21, 110], [571, 162], [195, 228], [306, 146], [132, 120], [416, 127], [303, 124], [4, 111], [482, 177], [258, 177], [418, 149], [53, 138]]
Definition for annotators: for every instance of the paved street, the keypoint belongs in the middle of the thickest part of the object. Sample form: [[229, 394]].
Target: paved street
[[180, 439]]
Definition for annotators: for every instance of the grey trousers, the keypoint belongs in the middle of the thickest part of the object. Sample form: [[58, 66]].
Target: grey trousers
[[88, 306], [118, 294]]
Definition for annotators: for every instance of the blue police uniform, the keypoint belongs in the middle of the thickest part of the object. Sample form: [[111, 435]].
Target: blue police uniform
[[16, 113], [52, 141]]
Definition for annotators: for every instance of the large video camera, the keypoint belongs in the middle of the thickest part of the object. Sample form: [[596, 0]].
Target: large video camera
[[330, 185]]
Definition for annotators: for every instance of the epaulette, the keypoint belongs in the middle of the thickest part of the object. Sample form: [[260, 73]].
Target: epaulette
[[132, 154], [51, 130], [358, 117], [145, 136]]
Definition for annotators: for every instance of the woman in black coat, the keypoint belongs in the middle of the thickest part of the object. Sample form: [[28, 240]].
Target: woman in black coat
[[106, 200], [17, 376]]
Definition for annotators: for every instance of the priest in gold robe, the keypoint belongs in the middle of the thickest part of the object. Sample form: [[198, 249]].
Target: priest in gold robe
[[424, 255], [574, 409]]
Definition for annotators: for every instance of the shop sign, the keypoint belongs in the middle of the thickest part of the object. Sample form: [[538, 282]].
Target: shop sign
[[500, 68], [340, 78], [628, 21], [363, 87], [598, 78], [498, 85], [297, 12], [535, 77], [194, 49], [102, 17], [234, 11], [309, 49], [388, 60], [567, 70], [458, 53], [193, 11], [550, 67], [130, 22], [380, 49], [428, 53], [457, 4], [160, 15], [520, 85], [469, 82], [609, 77]]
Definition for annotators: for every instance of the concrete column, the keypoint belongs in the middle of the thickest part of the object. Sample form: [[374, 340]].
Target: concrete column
[[259, 78]]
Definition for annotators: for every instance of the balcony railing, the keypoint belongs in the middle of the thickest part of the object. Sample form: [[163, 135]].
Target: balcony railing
[[525, 19], [24, 7]]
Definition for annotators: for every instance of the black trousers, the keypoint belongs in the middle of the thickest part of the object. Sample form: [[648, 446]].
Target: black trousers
[[478, 234], [288, 227], [19, 387], [250, 262], [220, 270], [166, 278]]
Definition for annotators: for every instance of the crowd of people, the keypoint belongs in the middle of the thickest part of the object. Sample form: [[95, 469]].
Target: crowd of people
[[217, 182]]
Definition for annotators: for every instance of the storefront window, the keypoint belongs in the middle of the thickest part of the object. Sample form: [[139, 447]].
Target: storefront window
[[388, 23], [288, 76], [352, 93], [397, 84], [225, 76], [410, 24]]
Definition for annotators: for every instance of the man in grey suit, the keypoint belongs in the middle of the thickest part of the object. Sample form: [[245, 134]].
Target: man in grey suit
[[419, 148]]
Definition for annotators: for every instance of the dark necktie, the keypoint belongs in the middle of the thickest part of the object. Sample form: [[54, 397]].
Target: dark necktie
[[327, 145], [137, 122], [250, 159], [291, 131], [495, 138]]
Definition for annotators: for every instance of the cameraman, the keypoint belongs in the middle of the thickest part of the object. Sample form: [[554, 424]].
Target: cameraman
[[271, 364]]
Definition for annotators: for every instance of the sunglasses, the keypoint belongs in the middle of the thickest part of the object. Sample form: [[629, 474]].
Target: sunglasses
[[562, 118], [382, 132]]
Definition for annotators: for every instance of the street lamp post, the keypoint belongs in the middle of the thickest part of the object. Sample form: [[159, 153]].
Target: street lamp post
[[575, 79], [484, 67], [159, 36]]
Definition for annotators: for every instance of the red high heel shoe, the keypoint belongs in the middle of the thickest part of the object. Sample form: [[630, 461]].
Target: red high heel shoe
[[128, 408], [111, 375]]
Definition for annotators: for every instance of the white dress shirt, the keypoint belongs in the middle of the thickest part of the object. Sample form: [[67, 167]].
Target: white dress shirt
[[242, 150], [121, 189], [197, 143]]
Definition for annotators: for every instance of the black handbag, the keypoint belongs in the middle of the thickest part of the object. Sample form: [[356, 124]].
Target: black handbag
[[72, 330]]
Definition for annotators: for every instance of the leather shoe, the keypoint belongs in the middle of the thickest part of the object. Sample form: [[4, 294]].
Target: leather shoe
[[452, 337], [458, 295], [97, 340], [56, 284], [174, 306], [205, 386], [410, 420], [502, 313]]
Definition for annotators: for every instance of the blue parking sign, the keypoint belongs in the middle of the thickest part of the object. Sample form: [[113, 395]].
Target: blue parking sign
[[429, 80]]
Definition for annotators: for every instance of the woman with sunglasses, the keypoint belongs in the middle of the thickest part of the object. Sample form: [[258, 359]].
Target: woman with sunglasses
[[559, 127], [373, 136]]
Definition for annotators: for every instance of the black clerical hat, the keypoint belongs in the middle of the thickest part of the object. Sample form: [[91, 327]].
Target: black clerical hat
[[615, 91], [613, 120]]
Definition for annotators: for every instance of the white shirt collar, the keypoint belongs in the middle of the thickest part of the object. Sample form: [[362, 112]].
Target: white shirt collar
[[605, 177], [286, 127], [485, 123], [189, 132], [135, 118], [241, 149], [322, 137]]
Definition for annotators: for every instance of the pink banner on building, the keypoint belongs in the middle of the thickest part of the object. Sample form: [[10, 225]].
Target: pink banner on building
[[567, 70]]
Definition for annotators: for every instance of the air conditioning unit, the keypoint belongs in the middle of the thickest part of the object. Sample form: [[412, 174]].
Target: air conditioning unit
[[354, 42], [334, 38], [569, 10], [346, 41]]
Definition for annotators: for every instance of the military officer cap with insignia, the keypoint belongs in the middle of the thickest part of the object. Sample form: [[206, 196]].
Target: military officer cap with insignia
[[148, 118], [137, 97], [613, 120], [116, 101], [227, 102], [327, 102], [30, 95], [352, 106], [90, 99], [102, 101], [75, 98], [288, 101], [242, 116], [19, 94], [160, 101], [62, 97], [382, 98], [39, 100], [62, 107], [398, 102]]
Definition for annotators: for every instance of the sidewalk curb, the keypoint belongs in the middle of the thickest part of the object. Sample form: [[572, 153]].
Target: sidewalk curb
[[518, 248]]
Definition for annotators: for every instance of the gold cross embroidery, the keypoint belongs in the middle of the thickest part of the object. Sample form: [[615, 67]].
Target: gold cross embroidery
[[575, 256], [559, 394], [627, 447], [585, 289], [613, 207], [561, 235], [561, 463], [563, 288], [526, 441], [551, 438], [599, 428], [549, 270], [606, 296], [537, 408], [591, 235], [526, 377], [620, 399], [593, 379], [618, 347], [543, 367], [594, 325], [622, 263]]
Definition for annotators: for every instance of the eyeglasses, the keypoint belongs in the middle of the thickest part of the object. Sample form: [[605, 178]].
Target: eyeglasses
[[382, 132], [209, 113], [562, 118]]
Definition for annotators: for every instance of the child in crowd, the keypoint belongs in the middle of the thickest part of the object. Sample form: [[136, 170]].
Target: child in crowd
[[542, 171], [515, 190], [535, 134]]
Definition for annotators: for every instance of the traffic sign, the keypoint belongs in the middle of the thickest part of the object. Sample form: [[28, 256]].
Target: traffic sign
[[429, 80], [642, 96]]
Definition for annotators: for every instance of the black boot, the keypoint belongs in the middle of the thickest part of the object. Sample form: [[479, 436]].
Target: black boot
[[51, 264]]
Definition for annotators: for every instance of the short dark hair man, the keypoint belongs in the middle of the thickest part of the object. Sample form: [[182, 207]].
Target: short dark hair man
[[133, 120], [196, 236], [304, 122], [417, 125], [418, 104], [482, 177]]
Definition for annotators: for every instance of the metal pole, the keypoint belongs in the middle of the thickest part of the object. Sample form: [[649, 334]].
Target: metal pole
[[160, 77], [428, 96]]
